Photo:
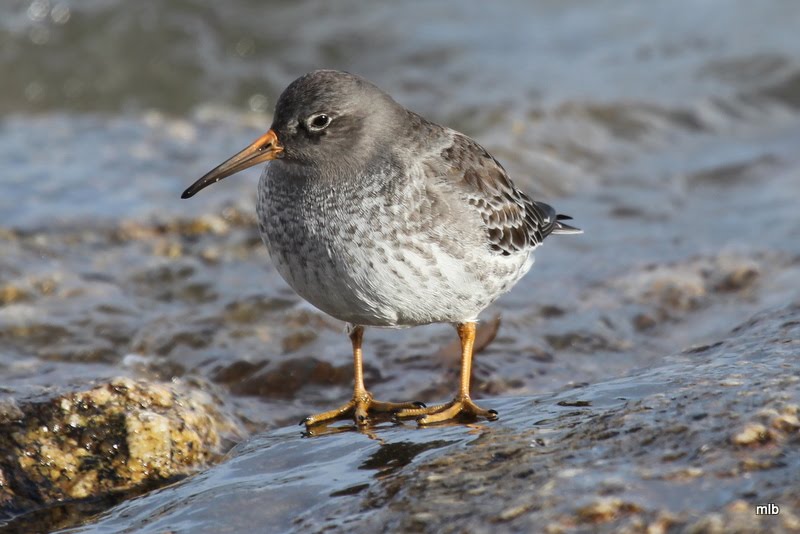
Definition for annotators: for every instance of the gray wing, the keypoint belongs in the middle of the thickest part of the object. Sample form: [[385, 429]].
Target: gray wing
[[514, 222]]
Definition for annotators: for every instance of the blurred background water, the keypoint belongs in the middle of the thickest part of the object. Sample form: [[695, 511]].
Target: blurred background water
[[669, 130]]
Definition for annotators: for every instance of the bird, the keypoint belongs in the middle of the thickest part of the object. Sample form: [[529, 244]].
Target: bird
[[379, 217]]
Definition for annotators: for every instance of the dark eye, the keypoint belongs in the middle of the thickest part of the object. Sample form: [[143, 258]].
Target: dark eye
[[318, 122]]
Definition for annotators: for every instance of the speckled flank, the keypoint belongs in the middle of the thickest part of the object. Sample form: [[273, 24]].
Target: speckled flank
[[401, 258]]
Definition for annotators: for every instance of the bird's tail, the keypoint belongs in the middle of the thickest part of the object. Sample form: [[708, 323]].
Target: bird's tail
[[562, 228]]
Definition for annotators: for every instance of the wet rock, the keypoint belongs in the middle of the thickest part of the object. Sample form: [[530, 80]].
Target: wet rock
[[205, 224], [752, 433], [254, 308], [644, 321], [605, 509], [584, 342], [736, 277], [670, 292], [237, 371], [297, 340], [173, 281], [284, 380], [9, 294], [164, 338], [115, 437], [635, 454], [486, 333]]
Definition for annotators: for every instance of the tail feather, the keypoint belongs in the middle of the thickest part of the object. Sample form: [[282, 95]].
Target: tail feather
[[566, 229], [562, 228], [542, 212]]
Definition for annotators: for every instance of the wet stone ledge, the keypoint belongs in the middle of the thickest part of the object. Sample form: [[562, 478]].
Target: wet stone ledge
[[692, 445]]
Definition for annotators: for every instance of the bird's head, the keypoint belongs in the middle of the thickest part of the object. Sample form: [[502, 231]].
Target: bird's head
[[323, 118]]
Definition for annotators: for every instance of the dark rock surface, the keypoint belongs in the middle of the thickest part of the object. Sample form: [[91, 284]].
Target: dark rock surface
[[689, 446]]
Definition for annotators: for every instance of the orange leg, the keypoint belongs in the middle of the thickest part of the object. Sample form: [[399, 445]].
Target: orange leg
[[362, 402], [462, 404]]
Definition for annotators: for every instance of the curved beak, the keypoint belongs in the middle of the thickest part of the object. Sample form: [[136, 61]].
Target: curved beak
[[262, 149]]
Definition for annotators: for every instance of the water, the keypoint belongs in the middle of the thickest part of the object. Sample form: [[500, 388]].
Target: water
[[668, 131]]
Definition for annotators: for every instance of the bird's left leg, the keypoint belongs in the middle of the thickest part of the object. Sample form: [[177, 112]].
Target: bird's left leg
[[362, 402], [462, 404]]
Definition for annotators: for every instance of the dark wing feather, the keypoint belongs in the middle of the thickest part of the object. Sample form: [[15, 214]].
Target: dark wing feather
[[514, 222]]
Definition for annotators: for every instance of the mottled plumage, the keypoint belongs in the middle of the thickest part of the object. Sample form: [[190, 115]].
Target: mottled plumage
[[514, 223], [380, 217]]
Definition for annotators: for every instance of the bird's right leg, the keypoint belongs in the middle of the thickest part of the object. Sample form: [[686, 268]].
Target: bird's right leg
[[463, 403], [362, 402]]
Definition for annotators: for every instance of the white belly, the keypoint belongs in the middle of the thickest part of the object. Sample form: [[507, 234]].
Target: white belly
[[374, 265]]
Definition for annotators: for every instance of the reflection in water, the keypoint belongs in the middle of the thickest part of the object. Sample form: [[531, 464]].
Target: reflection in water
[[69, 513], [345, 424], [392, 456]]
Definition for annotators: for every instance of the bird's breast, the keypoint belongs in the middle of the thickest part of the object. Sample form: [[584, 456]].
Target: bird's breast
[[322, 240], [380, 255]]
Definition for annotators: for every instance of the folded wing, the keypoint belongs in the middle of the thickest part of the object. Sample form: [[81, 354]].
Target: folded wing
[[514, 222]]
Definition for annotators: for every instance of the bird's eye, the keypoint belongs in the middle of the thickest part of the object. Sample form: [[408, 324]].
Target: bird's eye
[[318, 122]]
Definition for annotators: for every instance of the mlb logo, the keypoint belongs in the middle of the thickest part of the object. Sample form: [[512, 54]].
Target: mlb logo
[[767, 509]]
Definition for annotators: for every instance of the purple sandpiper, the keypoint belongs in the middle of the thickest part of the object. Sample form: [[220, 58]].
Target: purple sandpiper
[[379, 217]]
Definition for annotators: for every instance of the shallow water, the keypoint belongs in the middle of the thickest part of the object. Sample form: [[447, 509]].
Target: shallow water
[[668, 132]]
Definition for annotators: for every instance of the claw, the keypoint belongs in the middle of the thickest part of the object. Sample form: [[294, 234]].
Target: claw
[[445, 412], [358, 408]]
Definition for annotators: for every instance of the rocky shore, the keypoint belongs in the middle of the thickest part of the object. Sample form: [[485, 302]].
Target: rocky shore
[[693, 445]]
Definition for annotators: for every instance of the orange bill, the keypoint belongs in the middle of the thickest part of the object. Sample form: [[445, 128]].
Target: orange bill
[[262, 149]]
